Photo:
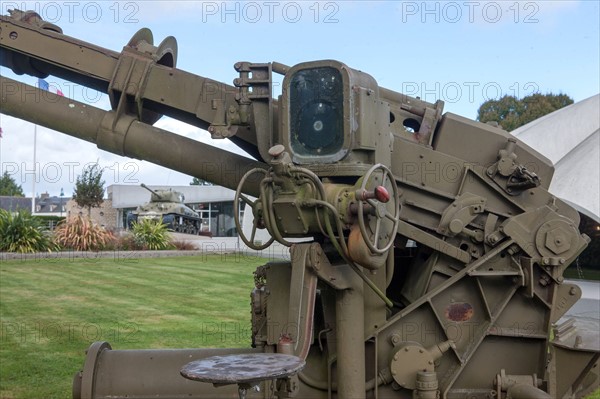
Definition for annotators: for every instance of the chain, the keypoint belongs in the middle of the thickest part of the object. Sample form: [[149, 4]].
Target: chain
[[579, 269]]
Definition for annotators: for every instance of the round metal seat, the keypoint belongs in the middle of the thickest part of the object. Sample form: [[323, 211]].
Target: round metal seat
[[246, 370]]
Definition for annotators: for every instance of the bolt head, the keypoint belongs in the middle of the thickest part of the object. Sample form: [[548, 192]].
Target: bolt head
[[558, 240]]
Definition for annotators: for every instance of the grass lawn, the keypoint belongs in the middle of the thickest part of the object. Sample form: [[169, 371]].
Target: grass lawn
[[51, 310], [587, 274]]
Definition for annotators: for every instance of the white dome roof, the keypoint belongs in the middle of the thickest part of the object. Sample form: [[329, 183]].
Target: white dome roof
[[570, 138]]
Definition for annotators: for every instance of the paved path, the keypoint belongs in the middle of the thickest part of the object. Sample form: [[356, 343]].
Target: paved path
[[203, 245]]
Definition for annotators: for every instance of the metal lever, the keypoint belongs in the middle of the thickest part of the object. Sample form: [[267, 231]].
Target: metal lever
[[380, 193]]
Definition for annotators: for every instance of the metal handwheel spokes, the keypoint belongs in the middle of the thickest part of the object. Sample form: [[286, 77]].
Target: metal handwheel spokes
[[257, 221], [375, 187]]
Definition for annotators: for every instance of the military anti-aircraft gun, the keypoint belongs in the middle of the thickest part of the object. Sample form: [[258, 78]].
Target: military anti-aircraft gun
[[167, 206], [433, 257]]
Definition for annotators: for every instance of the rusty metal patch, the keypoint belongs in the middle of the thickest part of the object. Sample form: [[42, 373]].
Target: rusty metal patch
[[459, 311]]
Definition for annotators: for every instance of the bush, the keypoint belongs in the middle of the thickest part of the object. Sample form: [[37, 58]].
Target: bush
[[23, 233], [50, 221], [83, 235], [126, 242], [151, 234], [183, 245]]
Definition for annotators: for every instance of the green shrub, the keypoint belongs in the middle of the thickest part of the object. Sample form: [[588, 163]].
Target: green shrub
[[82, 234], [23, 233], [151, 234]]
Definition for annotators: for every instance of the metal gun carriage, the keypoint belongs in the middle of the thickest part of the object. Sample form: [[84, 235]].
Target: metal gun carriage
[[404, 284]]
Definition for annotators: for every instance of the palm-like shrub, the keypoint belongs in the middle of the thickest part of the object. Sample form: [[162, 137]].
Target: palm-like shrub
[[23, 233], [82, 234], [151, 234]]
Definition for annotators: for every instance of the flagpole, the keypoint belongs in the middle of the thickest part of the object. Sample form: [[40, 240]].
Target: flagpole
[[34, 169], [42, 85]]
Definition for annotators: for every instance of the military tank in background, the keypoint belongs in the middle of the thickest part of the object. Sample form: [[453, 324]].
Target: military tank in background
[[168, 206]]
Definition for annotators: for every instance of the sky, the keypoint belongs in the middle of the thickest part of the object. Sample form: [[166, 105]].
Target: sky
[[462, 52]]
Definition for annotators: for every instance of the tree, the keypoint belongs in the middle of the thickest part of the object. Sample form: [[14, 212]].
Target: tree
[[89, 188], [200, 182], [511, 113], [8, 186]]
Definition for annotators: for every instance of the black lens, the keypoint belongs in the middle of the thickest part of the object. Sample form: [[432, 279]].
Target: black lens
[[316, 112]]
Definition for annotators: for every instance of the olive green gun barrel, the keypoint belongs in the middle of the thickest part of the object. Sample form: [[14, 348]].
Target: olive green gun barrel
[[149, 189], [125, 135], [152, 373], [160, 88]]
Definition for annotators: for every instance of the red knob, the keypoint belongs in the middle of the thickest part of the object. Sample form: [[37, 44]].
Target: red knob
[[382, 194]]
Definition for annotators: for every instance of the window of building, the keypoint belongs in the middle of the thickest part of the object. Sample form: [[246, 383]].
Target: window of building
[[217, 217]]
